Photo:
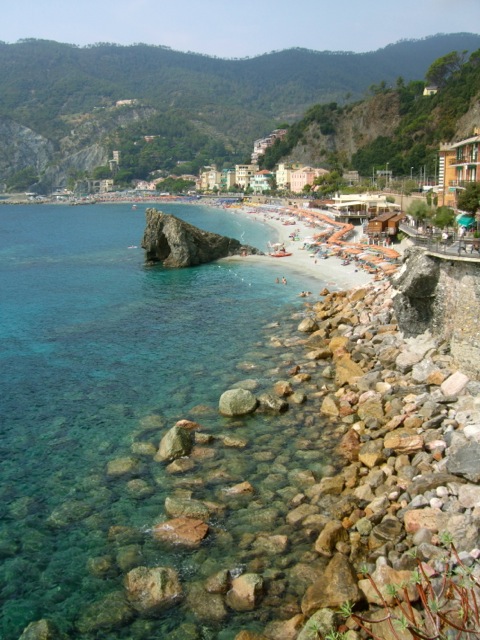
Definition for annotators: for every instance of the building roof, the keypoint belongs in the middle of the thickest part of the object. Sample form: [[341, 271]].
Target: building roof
[[462, 143]]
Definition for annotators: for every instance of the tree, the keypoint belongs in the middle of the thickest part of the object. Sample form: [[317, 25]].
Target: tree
[[329, 183], [175, 185], [22, 180], [419, 211], [441, 70], [468, 199], [101, 173], [444, 217]]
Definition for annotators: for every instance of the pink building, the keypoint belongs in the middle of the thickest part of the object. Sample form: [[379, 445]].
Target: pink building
[[304, 176]]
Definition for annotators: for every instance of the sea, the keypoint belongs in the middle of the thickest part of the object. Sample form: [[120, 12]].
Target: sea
[[99, 352]]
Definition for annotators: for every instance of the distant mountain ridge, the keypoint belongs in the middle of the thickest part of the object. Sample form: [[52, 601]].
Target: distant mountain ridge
[[64, 94]]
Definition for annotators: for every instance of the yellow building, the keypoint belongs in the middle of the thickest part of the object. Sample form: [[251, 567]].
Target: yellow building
[[244, 173], [458, 165]]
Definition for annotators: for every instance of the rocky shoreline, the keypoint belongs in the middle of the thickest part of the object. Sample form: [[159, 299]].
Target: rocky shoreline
[[404, 424], [409, 432]]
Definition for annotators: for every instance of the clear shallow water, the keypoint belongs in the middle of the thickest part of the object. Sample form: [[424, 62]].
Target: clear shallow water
[[91, 344]]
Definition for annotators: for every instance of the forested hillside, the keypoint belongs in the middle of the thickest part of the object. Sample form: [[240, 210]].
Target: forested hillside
[[397, 125], [58, 100]]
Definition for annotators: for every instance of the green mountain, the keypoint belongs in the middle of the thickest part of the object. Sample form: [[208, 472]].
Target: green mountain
[[57, 101], [400, 126]]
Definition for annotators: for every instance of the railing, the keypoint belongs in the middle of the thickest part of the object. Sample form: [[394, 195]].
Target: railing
[[459, 183], [453, 245]]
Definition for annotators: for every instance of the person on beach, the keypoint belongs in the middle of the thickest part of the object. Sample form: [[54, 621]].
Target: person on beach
[[284, 281], [277, 281]]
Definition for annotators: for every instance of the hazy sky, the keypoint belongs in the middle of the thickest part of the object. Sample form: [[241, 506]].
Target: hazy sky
[[235, 30]]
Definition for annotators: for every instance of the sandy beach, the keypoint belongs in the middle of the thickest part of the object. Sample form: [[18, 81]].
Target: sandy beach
[[329, 271]]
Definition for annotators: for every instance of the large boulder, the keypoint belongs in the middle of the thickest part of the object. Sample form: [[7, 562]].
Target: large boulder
[[187, 532], [245, 592], [177, 243], [176, 443], [237, 402], [151, 590], [337, 585], [414, 302]]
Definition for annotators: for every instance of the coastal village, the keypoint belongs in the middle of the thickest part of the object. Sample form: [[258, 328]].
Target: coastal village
[[269, 434], [385, 542], [381, 539]]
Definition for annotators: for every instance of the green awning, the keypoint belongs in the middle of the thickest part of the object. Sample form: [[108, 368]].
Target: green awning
[[465, 221]]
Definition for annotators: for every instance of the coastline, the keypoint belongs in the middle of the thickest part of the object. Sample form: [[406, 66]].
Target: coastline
[[297, 501], [329, 271]]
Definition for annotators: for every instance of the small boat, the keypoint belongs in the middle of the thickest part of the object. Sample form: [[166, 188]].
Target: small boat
[[280, 254]]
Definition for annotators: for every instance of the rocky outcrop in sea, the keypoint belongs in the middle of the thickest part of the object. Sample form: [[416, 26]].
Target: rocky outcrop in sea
[[176, 243]]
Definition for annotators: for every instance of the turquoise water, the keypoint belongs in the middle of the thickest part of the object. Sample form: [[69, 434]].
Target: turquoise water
[[93, 344]]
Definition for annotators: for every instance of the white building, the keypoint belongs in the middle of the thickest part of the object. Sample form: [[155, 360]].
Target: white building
[[244, 173], [261, 181]]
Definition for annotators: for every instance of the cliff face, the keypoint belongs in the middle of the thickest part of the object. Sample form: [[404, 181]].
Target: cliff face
[[360, 125], [83, 149], [441, 296], [176, 243], [20, 147]]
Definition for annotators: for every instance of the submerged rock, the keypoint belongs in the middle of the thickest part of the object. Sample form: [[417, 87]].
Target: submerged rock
[[176, 443], [42, 630], [151, 590], [111, 612], [187, 532], [245, 592]]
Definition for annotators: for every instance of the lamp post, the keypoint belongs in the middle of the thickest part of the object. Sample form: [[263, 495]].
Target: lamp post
[[386, 175], [411, 173]]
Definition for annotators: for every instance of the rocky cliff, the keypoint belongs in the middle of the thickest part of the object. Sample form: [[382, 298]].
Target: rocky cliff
[[21, 147], [442, 296], [357, 127], [176, 243]]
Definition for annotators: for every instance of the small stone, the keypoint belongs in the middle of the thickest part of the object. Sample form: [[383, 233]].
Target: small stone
[[454, 384], [332, 533], [432, 519], [436, 503], [371, 453], [403, 441]]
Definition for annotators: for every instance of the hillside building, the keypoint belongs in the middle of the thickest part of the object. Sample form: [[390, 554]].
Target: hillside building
[[261, 181], [210, 179], [262, 144], [227, 181], [244, 173], [459, 164], [283, 173], [300, 178]]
